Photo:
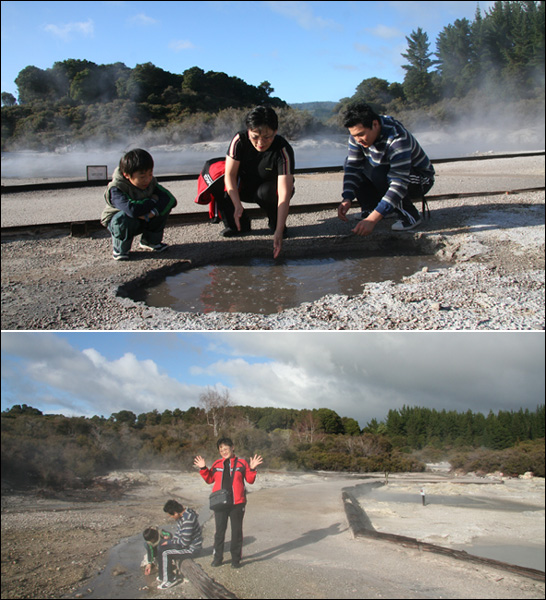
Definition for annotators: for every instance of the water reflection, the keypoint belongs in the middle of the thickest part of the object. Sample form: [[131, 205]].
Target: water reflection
[[265, 286]]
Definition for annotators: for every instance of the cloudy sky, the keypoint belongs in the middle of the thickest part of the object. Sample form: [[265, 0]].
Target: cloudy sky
[[308, 51], [358, 374]]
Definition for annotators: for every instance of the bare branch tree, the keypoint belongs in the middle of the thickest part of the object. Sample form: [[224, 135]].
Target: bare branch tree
[[215, 403]]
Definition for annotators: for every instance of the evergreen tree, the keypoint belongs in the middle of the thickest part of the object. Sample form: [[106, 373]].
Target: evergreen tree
[[454, 52], [418, 87]]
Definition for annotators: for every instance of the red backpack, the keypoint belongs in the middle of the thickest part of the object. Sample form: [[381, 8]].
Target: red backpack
[[210, 185]]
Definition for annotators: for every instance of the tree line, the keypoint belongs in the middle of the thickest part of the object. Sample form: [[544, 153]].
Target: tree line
[[499, 54], [54, 450]]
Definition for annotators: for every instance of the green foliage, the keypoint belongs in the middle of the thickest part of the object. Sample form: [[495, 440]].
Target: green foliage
[[418, 80], [416, 427], [522, 458], [58, 451], [78, 100], [499, 54]]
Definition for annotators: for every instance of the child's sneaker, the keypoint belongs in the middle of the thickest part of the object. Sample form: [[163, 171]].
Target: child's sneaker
[[165, 585], [154, 247], [116, 255]]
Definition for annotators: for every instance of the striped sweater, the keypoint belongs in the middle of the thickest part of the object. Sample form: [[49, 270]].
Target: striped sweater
[[188, 531], [396, 149]]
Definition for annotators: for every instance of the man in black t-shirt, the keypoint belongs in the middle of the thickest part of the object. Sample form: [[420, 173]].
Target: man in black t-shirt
[[259, 169]]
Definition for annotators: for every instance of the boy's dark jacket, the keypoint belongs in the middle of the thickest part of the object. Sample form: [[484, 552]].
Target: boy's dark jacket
[[148, 198]]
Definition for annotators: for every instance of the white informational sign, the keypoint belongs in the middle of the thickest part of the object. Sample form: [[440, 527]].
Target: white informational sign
[[97, 173]]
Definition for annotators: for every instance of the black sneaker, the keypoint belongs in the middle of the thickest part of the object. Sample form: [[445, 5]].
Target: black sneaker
[[217, 562], [120, 255], [231, 232]]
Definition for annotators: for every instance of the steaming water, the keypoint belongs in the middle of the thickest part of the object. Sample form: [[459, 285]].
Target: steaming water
[[265, 286], [312, 152], [186, 159]]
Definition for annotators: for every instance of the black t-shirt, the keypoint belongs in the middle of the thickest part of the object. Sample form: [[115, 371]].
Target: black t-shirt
[[258, 167]]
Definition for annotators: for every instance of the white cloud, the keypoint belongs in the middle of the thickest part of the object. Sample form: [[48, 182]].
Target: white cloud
[[50, 373], [363, 375], [69, 31], [357, 374], [178, 45], [302, 13], [143, 20], [384, 32]]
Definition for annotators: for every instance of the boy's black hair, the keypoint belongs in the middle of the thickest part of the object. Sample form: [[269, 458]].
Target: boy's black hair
[[172, 506], [262, 116], [136, 160], [151, 534], [359, 112], [225, 441]]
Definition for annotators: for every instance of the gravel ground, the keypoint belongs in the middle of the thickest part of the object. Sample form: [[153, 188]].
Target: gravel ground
[[493, 247]]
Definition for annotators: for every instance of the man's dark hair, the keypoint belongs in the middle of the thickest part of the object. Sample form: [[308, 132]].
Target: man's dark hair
[[225, 441], [172, 506], [359, 112], [262, 116], [136, 160]]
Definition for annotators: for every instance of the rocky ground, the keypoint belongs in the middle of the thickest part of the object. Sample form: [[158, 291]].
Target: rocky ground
[[494, 246], [297, 540]]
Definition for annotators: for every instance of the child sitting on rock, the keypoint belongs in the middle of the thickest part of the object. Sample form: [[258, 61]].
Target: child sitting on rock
[[136, 205]]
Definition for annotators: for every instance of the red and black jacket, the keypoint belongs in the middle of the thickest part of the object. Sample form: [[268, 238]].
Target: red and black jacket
[[240, 473]]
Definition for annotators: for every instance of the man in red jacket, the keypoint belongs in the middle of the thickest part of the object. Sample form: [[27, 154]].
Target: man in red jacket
[[229, 472]]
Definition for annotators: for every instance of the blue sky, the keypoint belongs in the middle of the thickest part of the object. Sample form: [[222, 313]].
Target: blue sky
[[308, 51], [359, 374]]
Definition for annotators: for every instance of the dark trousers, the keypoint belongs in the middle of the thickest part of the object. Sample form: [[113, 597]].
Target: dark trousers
[[265, 196], [235, 514], [124, 228], [374, 184], [166, 556]]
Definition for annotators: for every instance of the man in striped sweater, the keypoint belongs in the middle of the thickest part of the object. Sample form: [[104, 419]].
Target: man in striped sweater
[[385, 170], [186, 541]]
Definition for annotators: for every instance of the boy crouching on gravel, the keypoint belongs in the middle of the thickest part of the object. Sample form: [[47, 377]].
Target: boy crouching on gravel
[[152, 537], [136, 205]]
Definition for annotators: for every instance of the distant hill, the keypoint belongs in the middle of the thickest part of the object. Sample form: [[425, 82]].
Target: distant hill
[[320, 110]]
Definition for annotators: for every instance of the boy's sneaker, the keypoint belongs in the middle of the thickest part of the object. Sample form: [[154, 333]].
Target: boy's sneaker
[[116, 255], [165, 585], [154, 247], [406, 225]]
